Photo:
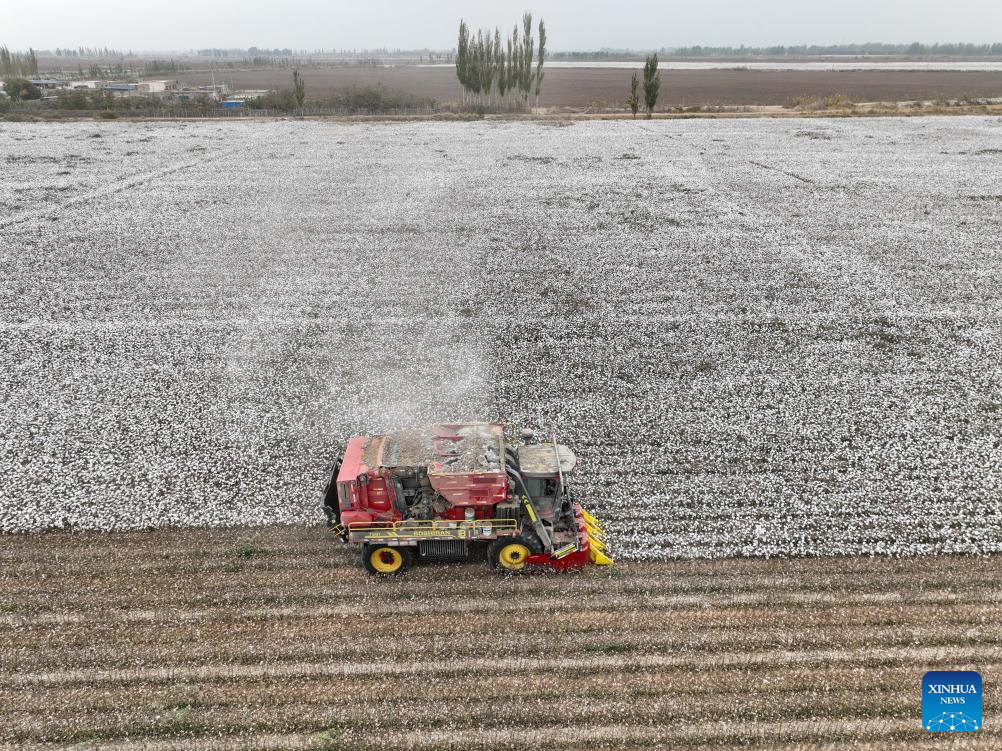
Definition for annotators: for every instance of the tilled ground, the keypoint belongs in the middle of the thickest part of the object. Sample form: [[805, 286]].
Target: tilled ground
[[273, 639], [583, 87]]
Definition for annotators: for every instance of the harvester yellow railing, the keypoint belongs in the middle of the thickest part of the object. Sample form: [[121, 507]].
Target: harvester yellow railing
[[596, 537], [473, 529], [459, 529]]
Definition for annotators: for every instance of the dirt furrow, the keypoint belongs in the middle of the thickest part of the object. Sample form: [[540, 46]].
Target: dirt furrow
[[490, 666], [602, 681], [249, 585], [470, 713], [885, 734], [286, 651], [656, 638], [475, 604], [658, 736]]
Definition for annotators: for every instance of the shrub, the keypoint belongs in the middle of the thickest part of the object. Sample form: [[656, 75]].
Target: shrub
[[103, 100], [354, 100], [21, 89], [836, 101], [814, 102], [283, 100], [249, 547], [73, 100], [374, 99]]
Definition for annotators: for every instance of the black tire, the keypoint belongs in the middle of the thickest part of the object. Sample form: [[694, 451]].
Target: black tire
[[508, 554], [387, 560]]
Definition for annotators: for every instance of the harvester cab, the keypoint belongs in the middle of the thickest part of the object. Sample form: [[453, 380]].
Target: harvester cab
[[434, 494]]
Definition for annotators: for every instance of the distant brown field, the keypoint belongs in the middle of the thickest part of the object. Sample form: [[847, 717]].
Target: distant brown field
[[276, 639], [577, 87]]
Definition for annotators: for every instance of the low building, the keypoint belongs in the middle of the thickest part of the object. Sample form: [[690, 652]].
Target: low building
[[241, 98], [250, 94], [120, 89], [49, 84], [214, 93], [166, 88]]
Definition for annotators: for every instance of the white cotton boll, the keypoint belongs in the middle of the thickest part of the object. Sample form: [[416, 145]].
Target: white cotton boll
[[789, 359]]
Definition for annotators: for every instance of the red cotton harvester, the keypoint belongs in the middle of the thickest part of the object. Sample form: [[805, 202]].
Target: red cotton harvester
[[435, 493]]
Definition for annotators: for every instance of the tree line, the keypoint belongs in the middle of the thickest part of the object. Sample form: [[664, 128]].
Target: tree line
[[18, 63], [89, 52], [496, 74], [914, 49]]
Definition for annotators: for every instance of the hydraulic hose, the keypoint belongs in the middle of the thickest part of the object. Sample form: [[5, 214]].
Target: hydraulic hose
[[516, 477]]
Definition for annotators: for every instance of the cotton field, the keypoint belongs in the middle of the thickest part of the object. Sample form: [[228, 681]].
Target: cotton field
[[762, 337]]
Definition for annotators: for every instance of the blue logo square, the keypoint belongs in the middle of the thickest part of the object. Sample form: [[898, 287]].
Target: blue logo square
[[951, 700]]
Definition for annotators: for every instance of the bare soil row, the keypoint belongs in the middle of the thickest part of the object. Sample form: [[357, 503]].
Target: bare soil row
[[293, 646]]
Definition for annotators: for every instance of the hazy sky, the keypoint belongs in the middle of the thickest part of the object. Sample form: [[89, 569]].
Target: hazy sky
[[571, 24]]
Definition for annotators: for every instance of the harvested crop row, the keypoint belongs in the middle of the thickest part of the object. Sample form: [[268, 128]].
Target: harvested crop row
[[827, 668]]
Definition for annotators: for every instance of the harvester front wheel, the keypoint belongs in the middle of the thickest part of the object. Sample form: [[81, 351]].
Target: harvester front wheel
[[509, 554], [384, 560]]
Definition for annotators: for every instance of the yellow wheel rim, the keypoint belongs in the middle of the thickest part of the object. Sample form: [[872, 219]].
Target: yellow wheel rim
[[386, 560], [513, 556]]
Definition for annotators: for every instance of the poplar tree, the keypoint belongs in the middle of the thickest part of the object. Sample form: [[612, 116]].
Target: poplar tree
[[501, 60], [633, 102], [542, 55], [510, 74], [18, 63], [298, 89], [527, 56], [497, 63], [490, 73], [474, 74], [475, 44], [652, 83], [463, 58], [514, 64]]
